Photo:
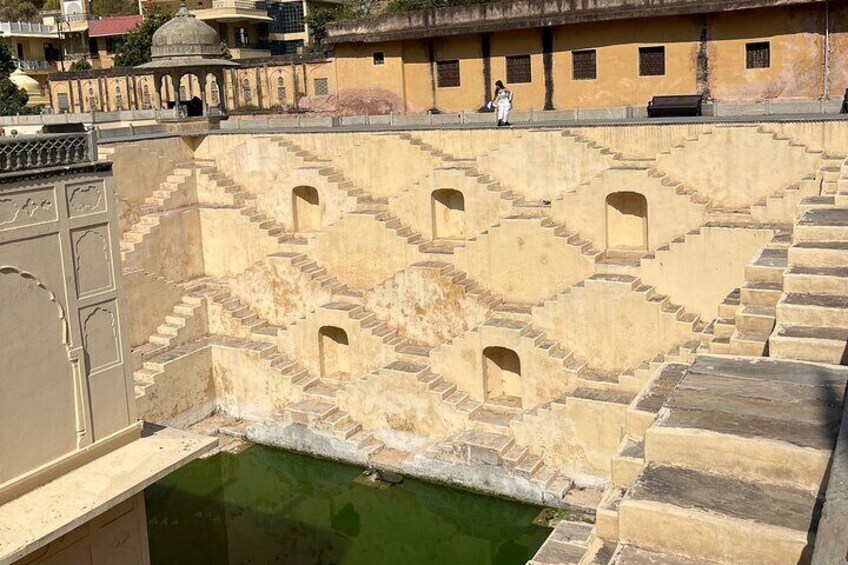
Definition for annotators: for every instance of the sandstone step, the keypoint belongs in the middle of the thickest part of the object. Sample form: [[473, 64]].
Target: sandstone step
[[825, 345], [485, 448], [817, 310], [644, 409], [816, 280], [819, 254], [683, 511], [308, 412], [755, 419], [606, 516], [822, 224], [756, 319], [628, 461], [768, 266], [632, 555], [753, 344], [761, 293]]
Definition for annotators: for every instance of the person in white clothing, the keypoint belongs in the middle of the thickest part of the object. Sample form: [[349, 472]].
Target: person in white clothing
[[502, 103]]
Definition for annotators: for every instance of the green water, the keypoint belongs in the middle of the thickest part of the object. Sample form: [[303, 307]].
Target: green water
[[271, 506]]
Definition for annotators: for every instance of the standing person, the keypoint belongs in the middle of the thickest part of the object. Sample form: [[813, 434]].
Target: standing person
[[502, 103]]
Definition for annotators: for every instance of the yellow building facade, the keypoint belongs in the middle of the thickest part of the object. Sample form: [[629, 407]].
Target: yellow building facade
[[448, 59]]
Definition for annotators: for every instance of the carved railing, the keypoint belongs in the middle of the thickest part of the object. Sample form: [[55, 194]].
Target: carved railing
[[26, 152], [239, 4]]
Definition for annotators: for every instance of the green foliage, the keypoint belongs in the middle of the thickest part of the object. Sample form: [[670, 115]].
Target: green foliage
[[20, 10], [410, 5], [7, 62], [81, 65], [225, 51], [135, 49], [114, 7], [12, 99], [317, 21]]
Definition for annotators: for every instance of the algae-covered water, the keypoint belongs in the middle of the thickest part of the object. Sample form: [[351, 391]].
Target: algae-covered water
[[266, 506]]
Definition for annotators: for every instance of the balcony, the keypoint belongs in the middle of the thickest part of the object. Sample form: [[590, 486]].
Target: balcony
[[35, 66], [25, 29], [228, 11]]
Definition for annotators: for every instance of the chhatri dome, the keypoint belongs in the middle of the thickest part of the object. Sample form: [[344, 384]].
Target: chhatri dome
[[30, 86], [185, 41]]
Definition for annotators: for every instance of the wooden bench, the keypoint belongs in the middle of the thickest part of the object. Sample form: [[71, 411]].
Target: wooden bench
[[677, 105], [72, 127]]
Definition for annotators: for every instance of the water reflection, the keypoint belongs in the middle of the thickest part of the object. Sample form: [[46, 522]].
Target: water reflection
[[266, 506]]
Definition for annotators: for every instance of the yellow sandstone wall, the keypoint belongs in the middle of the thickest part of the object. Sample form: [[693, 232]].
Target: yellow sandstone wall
[[377, 314]]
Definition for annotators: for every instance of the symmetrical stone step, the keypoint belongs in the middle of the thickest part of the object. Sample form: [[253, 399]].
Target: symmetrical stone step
[[688, 512], [755, 419]]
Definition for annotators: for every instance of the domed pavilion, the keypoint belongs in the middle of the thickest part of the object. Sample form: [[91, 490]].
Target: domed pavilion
[[185, 46]]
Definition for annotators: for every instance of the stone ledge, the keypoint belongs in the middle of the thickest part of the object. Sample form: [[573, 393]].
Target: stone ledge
[[33, 520]]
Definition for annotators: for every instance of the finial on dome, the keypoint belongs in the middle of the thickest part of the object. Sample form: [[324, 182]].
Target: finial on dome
[[182, 10]]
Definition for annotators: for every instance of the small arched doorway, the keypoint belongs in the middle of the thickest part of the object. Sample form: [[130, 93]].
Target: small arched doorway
[[502, 375], [334, 353], [627, 221], [306, 209], [448, 210]]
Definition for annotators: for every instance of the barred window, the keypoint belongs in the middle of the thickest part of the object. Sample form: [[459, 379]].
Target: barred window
[[92, 101], [214, 87], [322, 87], [286, 47], [518, 69], [64, 102], [288, 17], [119, 100], [145, 97], [758, 55], [651, 61], [281, 90], [379, 58], [247, 92], [447, 73], [584, 64]]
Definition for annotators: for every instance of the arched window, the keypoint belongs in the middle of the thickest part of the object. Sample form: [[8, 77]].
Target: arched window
[[627, 221], [92, 100], [333, 350], [448, 210], [145, 97], [119, 100], [306, 209], [247, 92], [281, 91], [502, 376], [213, 85]]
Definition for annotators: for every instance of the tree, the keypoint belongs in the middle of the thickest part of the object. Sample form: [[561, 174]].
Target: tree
[[114, 7], [81, 65], [135, 49], [12, 99], [317, 21]]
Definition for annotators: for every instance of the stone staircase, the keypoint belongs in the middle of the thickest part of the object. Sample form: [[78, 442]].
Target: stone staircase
[[319, 275], [141, 230], [186, 323], [812, 314], [247, 203], [740, 449], [754, 318]]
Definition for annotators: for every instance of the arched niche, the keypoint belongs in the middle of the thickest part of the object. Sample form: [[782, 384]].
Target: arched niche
[[448, 210], [38, 411], [627, 221], [306, 209], [502, 375], [333, 349]]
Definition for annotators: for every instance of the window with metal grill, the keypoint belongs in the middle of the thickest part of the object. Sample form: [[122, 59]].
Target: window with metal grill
[[584, 64], [447, 73], [518, 69], [651, 61], [758, 55], [379, 58], [288, 17], [322, 87], [64, 102], [281, 90]]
